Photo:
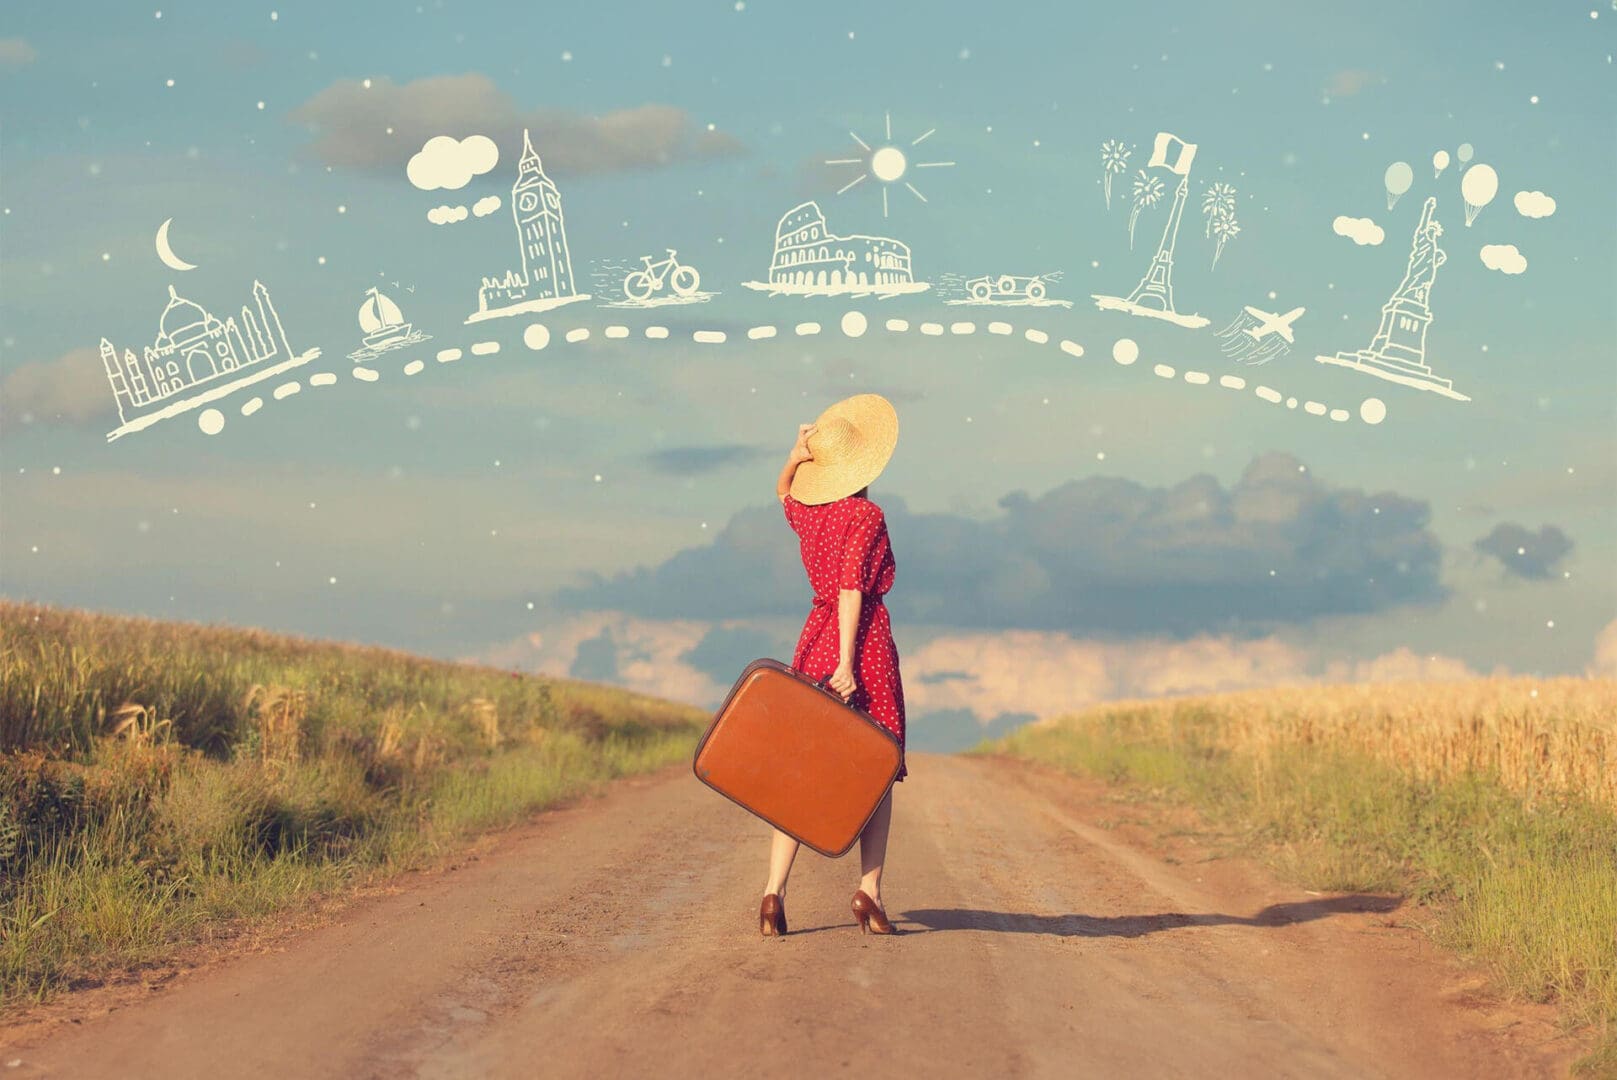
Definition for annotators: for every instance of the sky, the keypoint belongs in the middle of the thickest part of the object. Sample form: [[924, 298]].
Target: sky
[[1068, 528]]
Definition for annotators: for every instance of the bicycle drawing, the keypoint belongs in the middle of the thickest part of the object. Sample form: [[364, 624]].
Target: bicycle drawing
[[657, 281]]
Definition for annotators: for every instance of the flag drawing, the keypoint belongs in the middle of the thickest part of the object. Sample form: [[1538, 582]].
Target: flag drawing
[[1184, 153]]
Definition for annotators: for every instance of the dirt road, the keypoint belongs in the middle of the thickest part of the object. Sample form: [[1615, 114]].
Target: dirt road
[[618, 938]]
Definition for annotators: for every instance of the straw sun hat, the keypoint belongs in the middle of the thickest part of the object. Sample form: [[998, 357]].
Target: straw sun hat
[[851, 444]]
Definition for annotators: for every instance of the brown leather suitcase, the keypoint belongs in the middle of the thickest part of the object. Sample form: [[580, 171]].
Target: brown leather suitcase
[[789, 750]]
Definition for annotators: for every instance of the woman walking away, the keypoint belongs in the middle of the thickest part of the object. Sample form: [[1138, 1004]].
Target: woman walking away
[[824, 489]]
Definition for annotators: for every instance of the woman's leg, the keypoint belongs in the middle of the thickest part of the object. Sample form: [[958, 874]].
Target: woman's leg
[[782, 850], [873, 848]]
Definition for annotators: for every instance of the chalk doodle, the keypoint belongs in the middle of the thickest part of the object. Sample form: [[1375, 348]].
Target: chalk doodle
[[888, 163], [165, 252], [450, 163], [654, 283], [1478, 187], [1256, 336], [1218, 207], [1505, 258], [1153, 296], [384, 327], [1361, 230], [810, 260], [1148, 191], [1397, 180], [1114, 161], [1534, 204], [1397, 353], [196, 359], [546, 278], [1006, 290]]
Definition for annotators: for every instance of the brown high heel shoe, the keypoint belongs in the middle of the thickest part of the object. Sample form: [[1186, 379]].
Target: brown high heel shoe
[[872, 919], [772, 917]]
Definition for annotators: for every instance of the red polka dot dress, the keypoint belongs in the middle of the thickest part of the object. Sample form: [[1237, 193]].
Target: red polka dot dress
[[845, 546]]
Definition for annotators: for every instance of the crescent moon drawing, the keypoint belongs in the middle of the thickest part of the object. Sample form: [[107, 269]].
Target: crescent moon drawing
[[166, 253]]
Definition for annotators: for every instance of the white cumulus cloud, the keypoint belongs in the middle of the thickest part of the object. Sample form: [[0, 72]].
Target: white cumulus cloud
[[1361, 230], [1534, 204], [446, 162], [648, 656], [1503, 257], [446, 215], [486, 205]]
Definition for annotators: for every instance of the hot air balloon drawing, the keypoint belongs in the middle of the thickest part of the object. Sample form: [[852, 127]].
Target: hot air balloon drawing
[[1397, 179], [1478, 187]]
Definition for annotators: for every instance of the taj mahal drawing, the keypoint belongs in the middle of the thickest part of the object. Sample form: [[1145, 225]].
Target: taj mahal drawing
[[196, 357], [545, 280]]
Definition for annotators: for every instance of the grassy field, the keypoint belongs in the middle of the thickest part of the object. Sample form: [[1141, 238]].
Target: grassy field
[[164, 784], [1491, 803]]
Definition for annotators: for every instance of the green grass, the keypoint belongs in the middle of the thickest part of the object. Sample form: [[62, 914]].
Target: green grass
[[1528, 889], [259, 775]]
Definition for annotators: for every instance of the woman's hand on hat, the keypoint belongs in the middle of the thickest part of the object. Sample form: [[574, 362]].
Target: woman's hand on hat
[[800, 449]]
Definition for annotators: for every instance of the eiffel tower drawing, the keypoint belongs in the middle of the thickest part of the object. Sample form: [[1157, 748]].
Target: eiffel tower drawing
[[1153, 296]]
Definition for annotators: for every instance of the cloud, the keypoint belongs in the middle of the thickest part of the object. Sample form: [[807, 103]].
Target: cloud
[[1534, 204], [446, 215], [1524, 553], [644, 655], [377, 127], [684, 460], [1101, 555], [982, 678], [1048, 674], [1503, 257], [71, 389], [446, 162], [1604, 663], [486, 205], [15, 52], [1361, 230], [1350, 81], [1403, 664]]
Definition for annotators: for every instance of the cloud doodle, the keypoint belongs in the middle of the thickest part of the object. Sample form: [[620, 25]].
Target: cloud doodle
[[446, 162], [1534, 204], [1099, 555], [446, 215], [486, 205], [374, 124], [1504, 258], [1524, 553], [1361, 230]]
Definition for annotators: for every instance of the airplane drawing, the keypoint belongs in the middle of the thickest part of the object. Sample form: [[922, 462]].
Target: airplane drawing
[[1270, 323]]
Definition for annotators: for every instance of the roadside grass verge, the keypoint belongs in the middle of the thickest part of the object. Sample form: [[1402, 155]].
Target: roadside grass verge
[[1403, 790], [164, 785]]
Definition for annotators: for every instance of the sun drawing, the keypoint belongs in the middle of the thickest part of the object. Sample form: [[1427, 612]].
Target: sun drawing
[[888, 163]]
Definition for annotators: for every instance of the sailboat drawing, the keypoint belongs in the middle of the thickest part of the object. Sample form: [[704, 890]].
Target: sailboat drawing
[[384, 326]]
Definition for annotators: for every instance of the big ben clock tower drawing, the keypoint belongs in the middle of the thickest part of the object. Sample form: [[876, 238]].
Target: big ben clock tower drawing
[[546, 278]]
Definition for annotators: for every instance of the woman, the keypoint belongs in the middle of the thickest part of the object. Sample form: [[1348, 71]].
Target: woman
[[824, 490]]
